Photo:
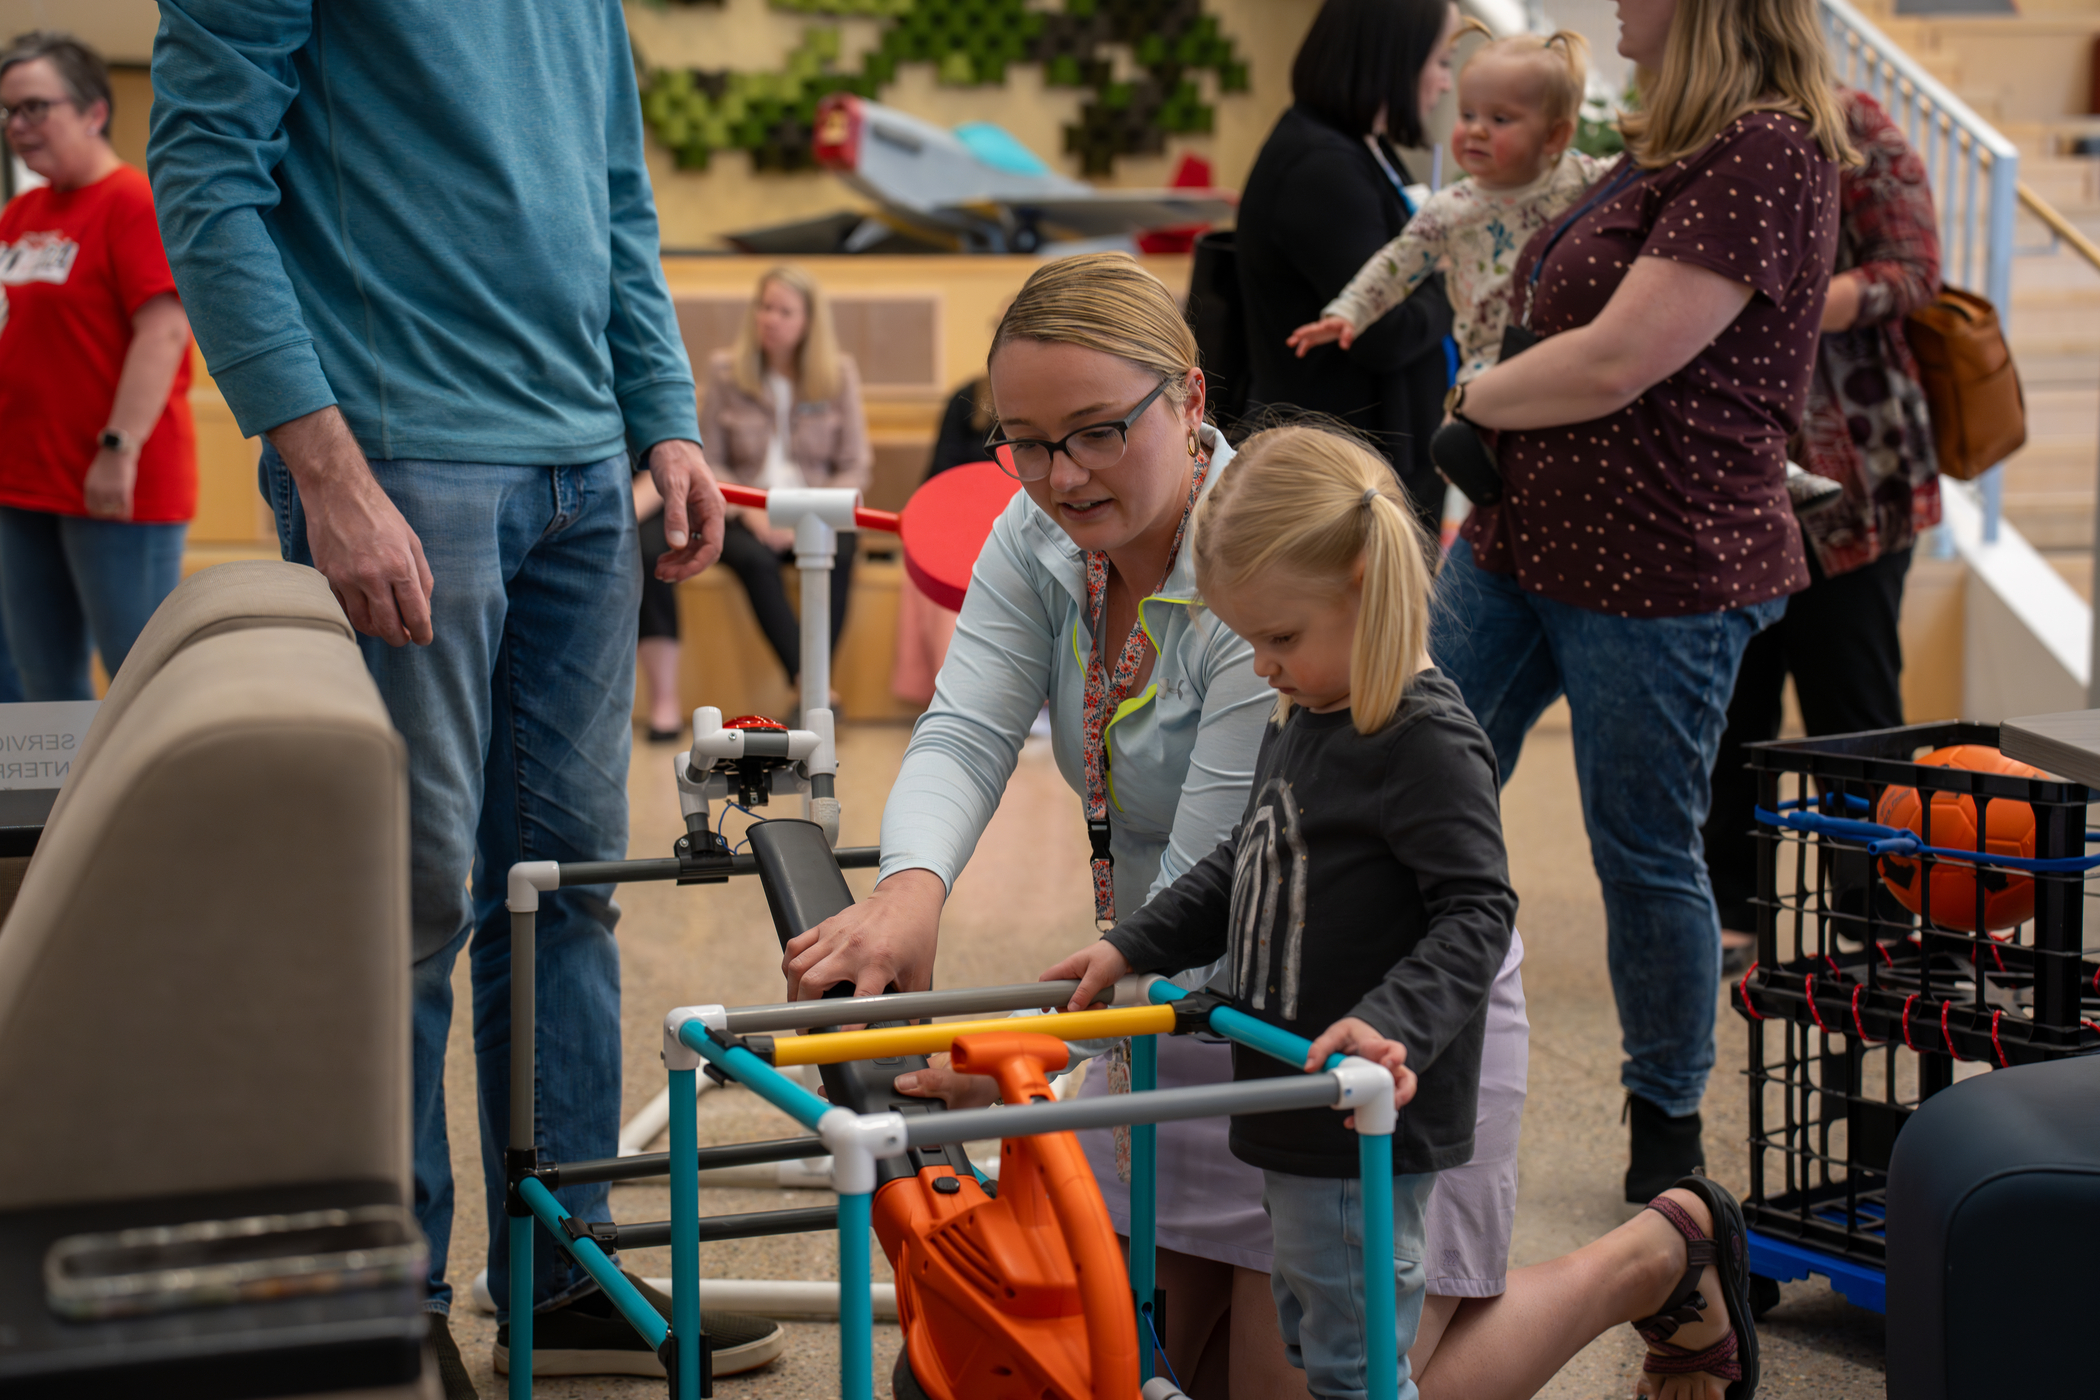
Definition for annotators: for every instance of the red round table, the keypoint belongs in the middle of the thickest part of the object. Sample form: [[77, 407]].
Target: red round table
[[946, 523]]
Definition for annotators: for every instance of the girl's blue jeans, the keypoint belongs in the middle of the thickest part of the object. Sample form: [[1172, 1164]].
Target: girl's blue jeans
[[1318, 1275], [517, 718], [1648, 699], [72, 585]]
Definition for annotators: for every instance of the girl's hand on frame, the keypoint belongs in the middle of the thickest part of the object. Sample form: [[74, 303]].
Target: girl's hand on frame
[[889, 937], [1097, 966], [1324, 331], [939, 1080], [1354, 1036]]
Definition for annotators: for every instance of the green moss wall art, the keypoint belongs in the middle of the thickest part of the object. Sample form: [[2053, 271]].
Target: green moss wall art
[[971, 43]]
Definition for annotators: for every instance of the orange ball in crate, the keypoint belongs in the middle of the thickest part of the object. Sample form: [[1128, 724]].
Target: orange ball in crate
[[2008, 897]]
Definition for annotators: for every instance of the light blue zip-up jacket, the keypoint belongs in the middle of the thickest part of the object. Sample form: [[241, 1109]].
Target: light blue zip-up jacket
[[436, 216], [1181, 753]]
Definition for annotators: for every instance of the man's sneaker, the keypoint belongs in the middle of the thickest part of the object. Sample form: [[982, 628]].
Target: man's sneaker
[[588, 1337], [452, 1367]]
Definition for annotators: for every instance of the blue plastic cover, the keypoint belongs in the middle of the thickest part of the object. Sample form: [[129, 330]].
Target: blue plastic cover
[[1000, 149]]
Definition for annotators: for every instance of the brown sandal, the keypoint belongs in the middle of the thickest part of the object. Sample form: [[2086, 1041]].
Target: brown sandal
[[1735, 1357]]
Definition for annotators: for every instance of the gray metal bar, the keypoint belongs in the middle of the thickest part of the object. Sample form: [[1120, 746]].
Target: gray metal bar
[[523, 1006], [1110, 1110], [626, 872], [654, 1234], [897, 1006]]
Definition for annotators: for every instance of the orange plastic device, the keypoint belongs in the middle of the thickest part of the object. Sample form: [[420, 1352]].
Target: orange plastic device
[[1022, 1297]]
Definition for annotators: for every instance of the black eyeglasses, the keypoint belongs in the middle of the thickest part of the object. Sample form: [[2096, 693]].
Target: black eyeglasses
[[1093, 448], [32, 110]]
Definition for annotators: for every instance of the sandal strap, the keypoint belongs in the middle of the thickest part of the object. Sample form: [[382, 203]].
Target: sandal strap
[[1719, 1360], [1685, 1303]]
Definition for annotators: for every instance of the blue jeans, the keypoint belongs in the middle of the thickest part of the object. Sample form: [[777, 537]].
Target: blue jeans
[[1648, 697], [1318, 1275], [517, 722], [69, 583]]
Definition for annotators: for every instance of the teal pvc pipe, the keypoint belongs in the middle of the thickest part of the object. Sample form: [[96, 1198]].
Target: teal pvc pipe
[[856, 1299], [1250, 1031], [521, 1229], [1374, 1156], [632, 1305], [756, 1075], [685, 1234], [1144, 1201]]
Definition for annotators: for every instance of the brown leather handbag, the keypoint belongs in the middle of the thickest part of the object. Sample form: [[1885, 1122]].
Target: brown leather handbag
[[1979, 415]]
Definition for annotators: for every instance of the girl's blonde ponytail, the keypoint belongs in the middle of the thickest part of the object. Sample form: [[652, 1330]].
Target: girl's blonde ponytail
[[1308, 504]]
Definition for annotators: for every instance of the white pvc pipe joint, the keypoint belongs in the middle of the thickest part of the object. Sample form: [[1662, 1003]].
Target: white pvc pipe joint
[[527, 879], [679, 1055], [1367, 1089], [856, 1140]]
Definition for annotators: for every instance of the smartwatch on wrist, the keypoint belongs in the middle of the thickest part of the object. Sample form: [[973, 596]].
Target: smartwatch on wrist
[[116, 440]]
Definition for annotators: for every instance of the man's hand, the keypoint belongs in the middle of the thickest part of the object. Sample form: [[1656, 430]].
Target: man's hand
[[109, 483], [361, 544], [693, 516], [1097, 966], [1353, 1036]]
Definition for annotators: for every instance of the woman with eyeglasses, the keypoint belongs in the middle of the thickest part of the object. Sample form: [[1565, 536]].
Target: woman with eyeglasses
[[98, 458], [1084, 596]]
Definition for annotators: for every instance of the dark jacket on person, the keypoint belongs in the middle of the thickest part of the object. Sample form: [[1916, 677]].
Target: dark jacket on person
[[1316, 207]]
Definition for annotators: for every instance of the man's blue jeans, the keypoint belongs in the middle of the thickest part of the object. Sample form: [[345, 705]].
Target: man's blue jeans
[[67, 581], [1318, 1277], [1648, 698], [518, 730]]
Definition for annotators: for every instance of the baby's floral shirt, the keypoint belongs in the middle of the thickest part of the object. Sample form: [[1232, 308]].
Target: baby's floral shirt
[[1478, 234]]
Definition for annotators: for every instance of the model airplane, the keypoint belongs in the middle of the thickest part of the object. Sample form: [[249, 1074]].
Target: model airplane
[[975, 189]]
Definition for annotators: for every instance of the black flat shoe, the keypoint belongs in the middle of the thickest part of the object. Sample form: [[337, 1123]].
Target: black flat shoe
[[1662, 1149], [452, 1367], [665, 736]]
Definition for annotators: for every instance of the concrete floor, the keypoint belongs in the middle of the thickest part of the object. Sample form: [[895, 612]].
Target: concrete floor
[[1022, 904]]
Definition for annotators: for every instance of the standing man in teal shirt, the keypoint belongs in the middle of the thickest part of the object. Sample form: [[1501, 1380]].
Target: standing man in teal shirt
[[419, 250]]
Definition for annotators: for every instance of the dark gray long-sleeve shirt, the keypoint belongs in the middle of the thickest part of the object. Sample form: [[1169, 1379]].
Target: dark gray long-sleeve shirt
[[1366, 878]]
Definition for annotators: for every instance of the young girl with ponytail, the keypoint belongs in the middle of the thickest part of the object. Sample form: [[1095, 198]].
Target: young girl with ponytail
[[1364, 898]]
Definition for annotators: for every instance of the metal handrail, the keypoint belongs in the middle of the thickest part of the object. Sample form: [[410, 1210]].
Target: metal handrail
[[2066, 231], [1961, 151]]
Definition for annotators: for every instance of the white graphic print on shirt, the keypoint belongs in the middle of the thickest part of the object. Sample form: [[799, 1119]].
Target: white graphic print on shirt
[[1268, 900], [38, 257]]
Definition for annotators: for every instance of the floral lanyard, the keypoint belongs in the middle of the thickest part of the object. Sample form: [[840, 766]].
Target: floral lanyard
[[1103, 696]]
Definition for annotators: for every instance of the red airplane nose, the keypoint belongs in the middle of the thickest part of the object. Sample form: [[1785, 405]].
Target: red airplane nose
[[836, 138]]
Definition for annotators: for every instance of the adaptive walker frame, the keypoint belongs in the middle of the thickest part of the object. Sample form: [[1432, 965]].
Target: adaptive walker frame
[[710, 1035], [713, 1037]]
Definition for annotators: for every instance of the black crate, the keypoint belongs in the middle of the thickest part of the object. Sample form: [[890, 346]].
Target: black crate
[[1859, 1010]]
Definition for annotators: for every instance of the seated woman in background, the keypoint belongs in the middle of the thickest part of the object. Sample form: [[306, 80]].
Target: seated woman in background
[[783, 409]]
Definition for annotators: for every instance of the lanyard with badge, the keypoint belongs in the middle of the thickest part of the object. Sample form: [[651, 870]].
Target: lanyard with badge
[[1518, 336]]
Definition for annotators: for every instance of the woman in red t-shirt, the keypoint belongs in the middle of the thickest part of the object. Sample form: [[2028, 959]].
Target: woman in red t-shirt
[[98, 458]]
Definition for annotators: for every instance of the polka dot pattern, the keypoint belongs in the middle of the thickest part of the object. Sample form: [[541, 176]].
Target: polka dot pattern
[[1677, 503]]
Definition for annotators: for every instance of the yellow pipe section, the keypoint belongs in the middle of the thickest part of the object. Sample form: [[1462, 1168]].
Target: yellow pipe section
[[841, 1046]]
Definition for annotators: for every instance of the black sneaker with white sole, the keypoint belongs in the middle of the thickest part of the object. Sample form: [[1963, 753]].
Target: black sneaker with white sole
[[588, 1337]]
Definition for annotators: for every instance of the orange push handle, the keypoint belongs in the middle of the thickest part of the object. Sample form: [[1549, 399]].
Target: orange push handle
[[1018, 1061], [885, 520]]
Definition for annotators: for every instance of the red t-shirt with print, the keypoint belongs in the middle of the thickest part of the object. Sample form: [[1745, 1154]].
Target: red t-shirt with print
[[1676, 504], [75, 266]]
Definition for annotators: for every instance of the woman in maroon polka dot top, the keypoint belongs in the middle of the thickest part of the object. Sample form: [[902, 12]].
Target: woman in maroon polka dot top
[[1644, 534]]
